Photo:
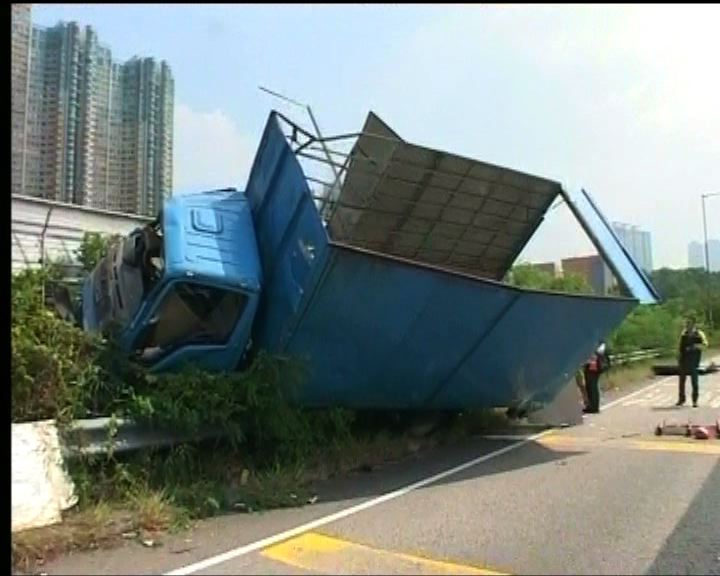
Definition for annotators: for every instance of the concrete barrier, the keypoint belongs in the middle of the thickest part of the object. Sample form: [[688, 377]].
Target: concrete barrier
[[41, 488]]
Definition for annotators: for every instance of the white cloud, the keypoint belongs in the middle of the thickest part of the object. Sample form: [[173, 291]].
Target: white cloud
[[620, 99], [659, 62], [209, 151]]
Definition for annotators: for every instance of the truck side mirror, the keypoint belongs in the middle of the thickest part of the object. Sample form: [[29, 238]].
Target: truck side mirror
[[132, 249]]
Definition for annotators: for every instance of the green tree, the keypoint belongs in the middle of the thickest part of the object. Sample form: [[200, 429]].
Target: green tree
[[93, 247], [695, 290], [529, 276]]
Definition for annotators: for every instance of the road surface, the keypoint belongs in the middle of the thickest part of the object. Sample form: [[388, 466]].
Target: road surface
[[606, 497]]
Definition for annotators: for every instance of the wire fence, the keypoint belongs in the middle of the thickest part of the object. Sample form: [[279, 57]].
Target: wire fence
[[43, 230]]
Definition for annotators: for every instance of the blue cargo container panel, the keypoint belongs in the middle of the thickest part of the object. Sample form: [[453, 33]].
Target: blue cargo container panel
[[379, 331], [383, 333]]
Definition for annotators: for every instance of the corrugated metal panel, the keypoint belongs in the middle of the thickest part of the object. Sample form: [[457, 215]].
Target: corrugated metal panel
[[64, 226], [434, 207]]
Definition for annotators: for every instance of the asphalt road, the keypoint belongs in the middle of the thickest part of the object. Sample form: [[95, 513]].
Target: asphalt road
[[606, 497]]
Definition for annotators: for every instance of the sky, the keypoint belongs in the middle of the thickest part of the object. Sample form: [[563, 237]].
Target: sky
[[623, 101]]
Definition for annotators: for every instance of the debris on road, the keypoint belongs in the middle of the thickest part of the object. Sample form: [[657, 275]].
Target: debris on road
[[183, 548], [689, 430], [150, 543], [242, 507], [673, 369]]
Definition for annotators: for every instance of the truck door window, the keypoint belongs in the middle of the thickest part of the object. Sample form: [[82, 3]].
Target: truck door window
[[191, 314]]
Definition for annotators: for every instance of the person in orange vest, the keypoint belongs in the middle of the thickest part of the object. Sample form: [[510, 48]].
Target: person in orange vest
[[690, 346], [598, 363]]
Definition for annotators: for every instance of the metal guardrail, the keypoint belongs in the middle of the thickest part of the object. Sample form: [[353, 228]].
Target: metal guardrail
[[629, 357], [104, 435]]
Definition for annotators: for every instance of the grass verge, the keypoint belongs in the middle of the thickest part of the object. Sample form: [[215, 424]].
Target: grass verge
[[148, 495]]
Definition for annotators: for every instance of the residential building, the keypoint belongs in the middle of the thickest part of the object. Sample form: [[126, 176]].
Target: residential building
[[637, 242], [593, 269], [20, 48], [696, 255], [714, 255], [93, 131]]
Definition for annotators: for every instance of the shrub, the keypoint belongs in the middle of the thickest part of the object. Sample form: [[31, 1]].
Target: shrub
[[54, 373], [93, 247]]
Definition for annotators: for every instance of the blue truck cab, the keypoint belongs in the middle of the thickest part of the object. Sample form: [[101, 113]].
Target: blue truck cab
[[183, 289]]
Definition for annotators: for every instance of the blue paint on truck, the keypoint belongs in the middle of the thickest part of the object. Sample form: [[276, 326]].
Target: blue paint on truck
[[209, 270], [377, 330], [383, 332]]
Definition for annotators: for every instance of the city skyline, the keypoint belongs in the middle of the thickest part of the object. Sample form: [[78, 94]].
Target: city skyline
[[88, 129], [638, 132]]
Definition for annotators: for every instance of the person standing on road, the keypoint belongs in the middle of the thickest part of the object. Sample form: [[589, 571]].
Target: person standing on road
[[690, 346], [580, 383], [598, 363]]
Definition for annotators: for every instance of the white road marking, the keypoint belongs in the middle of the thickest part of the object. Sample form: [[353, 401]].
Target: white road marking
[[279, 537], [270, 540], [709, 398], [622, 399], [636, 402], [665, 399]]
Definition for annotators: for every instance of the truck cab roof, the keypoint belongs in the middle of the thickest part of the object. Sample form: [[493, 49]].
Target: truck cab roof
[[210, 236]]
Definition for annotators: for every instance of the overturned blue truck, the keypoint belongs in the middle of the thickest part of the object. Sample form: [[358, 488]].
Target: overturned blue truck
[[386, 279]]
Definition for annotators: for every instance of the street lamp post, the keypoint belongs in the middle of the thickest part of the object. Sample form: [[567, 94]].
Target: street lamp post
[[707, 254]]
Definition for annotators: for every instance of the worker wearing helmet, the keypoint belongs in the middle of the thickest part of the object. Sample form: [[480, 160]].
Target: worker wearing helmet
[[597, 364]]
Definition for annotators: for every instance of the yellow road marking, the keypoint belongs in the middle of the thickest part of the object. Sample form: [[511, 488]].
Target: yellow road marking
[[687, 446], [325, 554]]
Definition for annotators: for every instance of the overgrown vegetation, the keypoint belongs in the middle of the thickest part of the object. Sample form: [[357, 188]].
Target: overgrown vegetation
[[684, 293], [265, 455], [93, 247], [530, 276], [55, 368]]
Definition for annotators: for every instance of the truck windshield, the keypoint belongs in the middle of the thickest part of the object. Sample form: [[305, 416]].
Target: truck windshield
[[190, 314]]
